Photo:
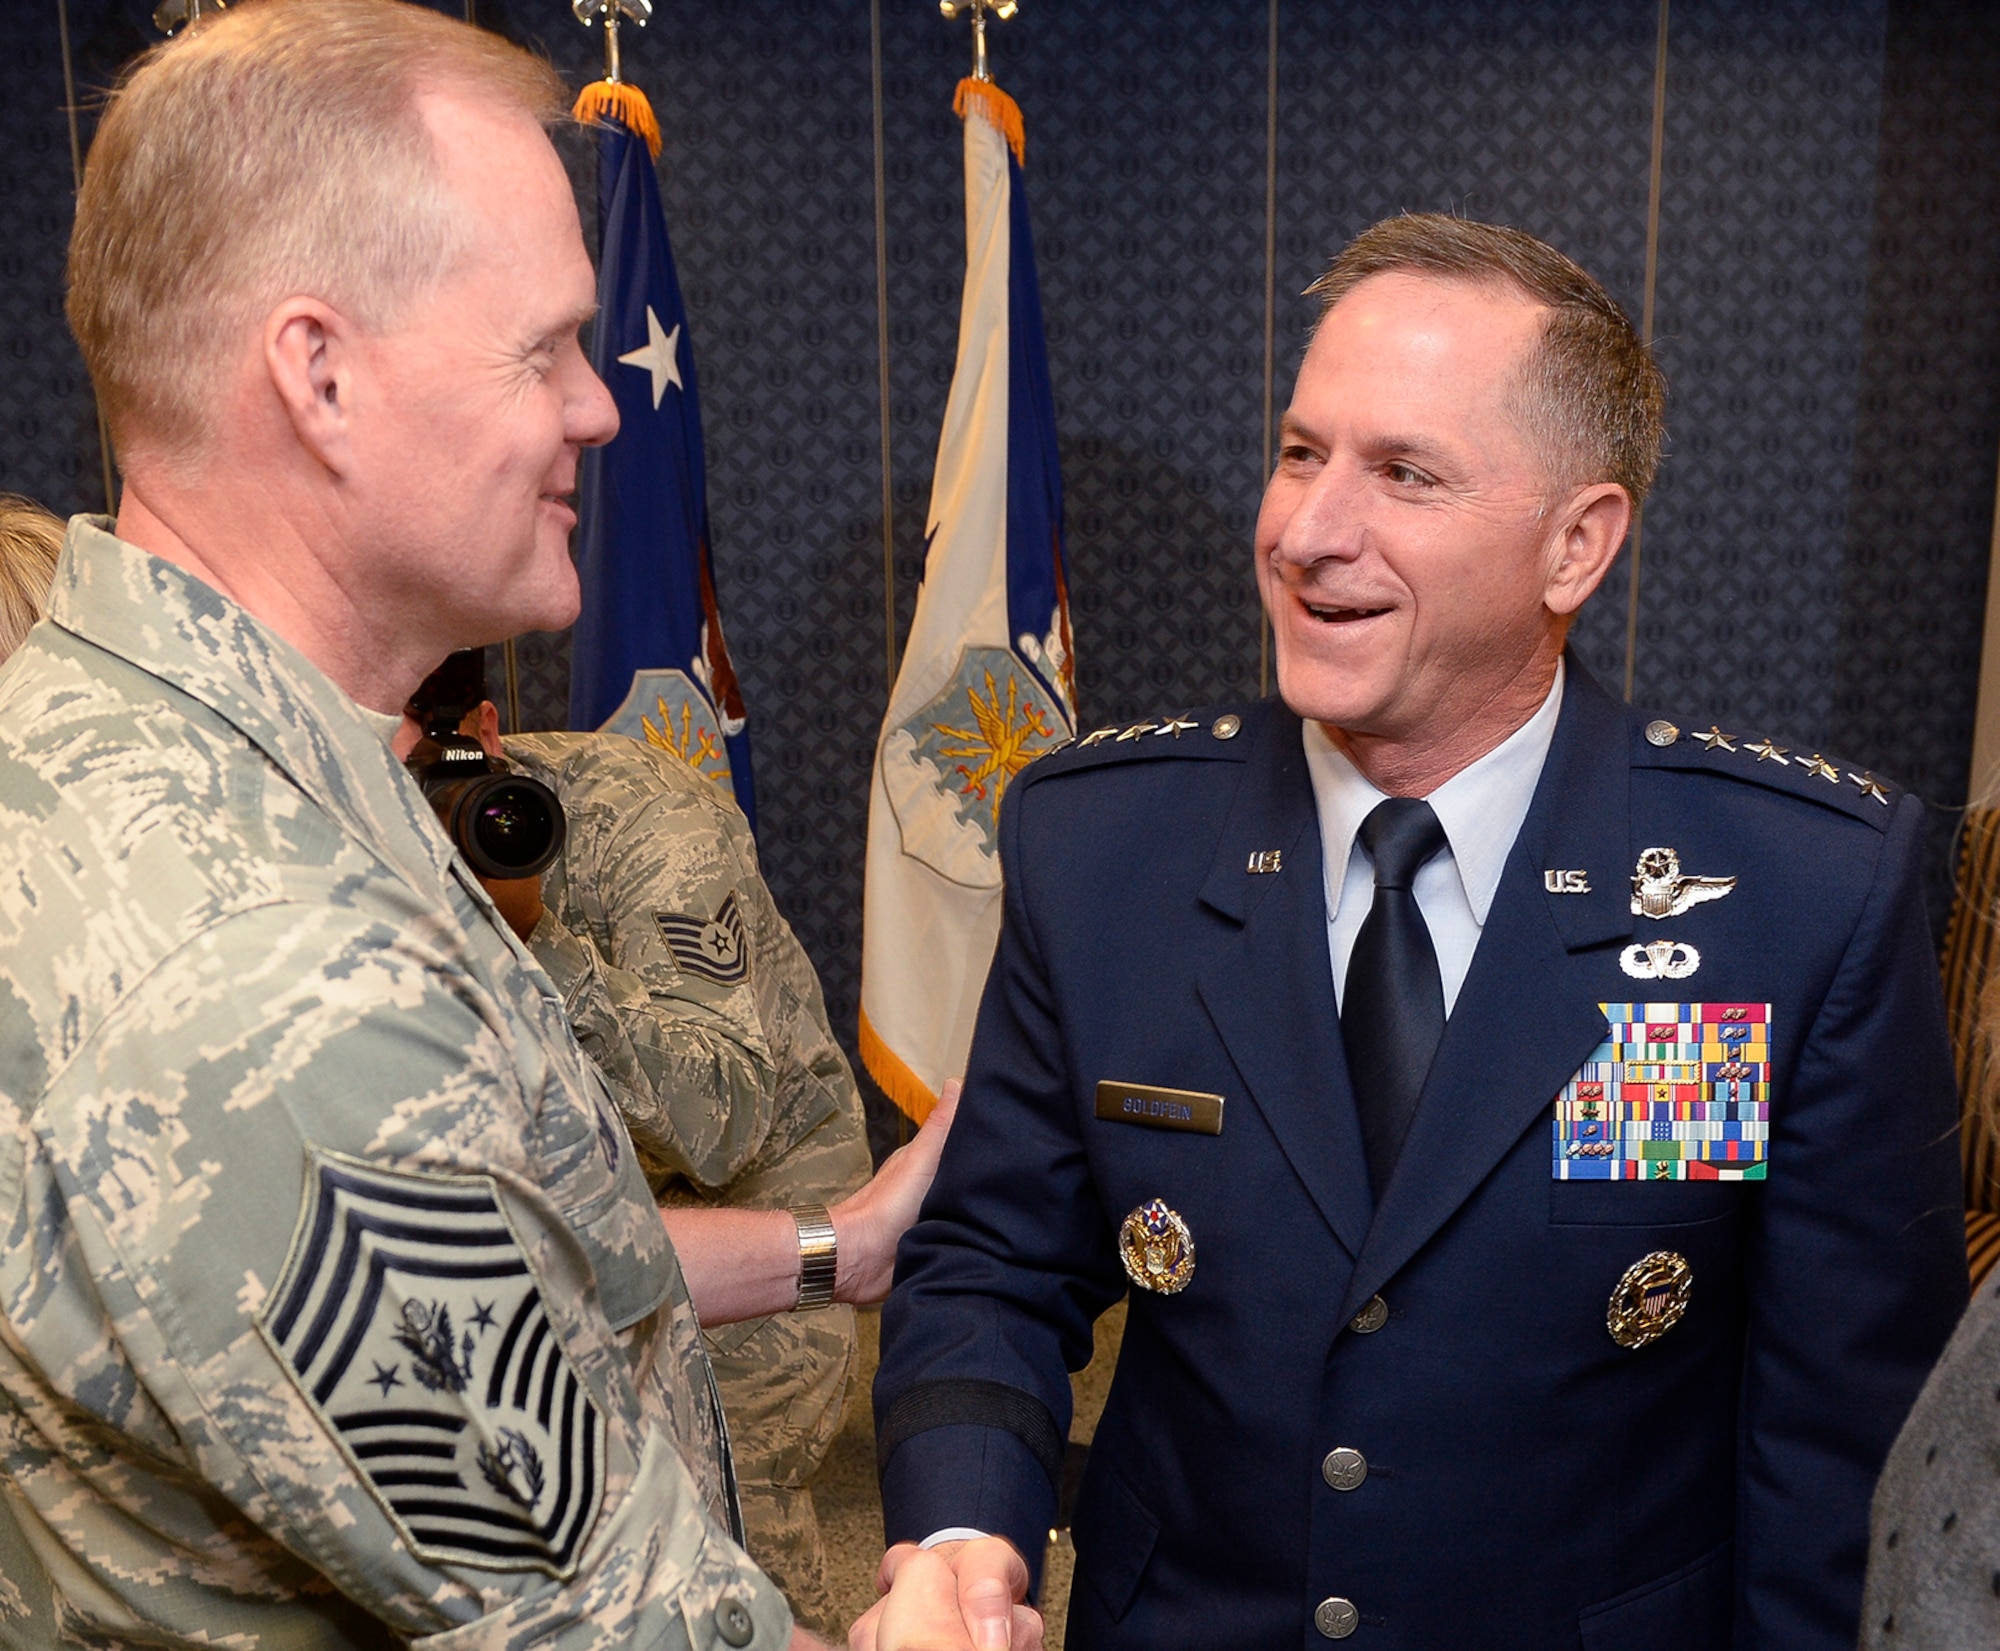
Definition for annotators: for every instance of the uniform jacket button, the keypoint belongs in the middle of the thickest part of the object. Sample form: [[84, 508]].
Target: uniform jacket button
[[1344, 1469], [1336, 1618], [732, 1622], [1371, 1318]]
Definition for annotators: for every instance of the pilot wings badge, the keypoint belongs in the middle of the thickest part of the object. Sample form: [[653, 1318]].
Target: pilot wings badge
[[408, 1316], [1660, 891]]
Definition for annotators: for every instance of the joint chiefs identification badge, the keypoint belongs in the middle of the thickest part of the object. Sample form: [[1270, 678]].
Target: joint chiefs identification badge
[[409, 1317], [1650, 1299], [1157, 1249]]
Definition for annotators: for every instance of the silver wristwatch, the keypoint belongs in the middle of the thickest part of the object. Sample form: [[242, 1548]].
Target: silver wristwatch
[[819, 1257]]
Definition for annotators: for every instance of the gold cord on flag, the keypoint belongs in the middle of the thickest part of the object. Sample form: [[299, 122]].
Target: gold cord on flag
[[611, 97], [622, 102], [1000, 109]]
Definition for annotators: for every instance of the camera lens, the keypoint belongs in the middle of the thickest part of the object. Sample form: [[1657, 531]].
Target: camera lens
[[508, 826]]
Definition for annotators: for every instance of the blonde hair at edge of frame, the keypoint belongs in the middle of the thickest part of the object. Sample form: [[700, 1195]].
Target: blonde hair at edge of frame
[[30, 541], [276, 150], [1591, 397]]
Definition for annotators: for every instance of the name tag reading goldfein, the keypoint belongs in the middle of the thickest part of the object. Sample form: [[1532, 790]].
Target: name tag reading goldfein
[[1139, 1103]]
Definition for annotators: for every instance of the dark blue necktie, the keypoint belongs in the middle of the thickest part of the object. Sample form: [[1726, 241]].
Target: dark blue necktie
[[1392, 1013]]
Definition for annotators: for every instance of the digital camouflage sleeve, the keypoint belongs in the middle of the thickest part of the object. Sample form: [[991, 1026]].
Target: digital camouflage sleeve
[[687, 985], [336, 1310]]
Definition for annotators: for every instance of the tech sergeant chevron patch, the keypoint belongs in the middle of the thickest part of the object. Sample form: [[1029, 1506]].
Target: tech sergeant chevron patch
[[409, 1317]]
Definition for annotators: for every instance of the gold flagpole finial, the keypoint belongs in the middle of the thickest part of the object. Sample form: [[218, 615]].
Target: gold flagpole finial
[[169, 16], [977, 10], [589, 11]]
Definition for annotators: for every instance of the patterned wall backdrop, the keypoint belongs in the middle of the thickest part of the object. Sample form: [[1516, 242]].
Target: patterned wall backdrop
[[1827, 308]]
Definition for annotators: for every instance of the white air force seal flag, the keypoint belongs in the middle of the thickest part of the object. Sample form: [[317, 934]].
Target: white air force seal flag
[[409, 1317]]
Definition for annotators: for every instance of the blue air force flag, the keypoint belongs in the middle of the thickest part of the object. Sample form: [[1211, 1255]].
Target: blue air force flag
[[647, 656], [986, 684]]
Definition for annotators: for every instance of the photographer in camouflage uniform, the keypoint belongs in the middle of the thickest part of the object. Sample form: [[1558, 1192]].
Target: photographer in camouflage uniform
[[689, 989]]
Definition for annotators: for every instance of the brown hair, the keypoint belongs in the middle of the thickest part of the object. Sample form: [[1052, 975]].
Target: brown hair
[[1596, 399], [276, 149], [30, 541]]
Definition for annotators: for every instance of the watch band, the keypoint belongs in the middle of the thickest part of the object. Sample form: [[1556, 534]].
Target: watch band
[[819, 1257]]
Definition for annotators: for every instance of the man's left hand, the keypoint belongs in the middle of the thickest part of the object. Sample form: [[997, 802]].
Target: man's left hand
[[871, 1222]]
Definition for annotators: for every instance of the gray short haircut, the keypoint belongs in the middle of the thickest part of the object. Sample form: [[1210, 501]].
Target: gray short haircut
[[1594, 400], [275, 149]]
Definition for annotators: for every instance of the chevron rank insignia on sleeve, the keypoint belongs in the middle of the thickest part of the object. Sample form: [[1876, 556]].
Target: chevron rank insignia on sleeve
[[710, 948], [408, 1315]]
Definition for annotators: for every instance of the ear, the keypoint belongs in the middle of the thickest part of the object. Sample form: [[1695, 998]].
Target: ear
[[488, 732], [310, 355], [1594, 523]]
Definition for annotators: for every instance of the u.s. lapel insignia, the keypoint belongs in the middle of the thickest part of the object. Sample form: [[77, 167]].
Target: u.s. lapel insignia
[[1566, 882], [1157, 1249], [1650, 1299], [1659, 890], [1660, 960], [1264, 860]]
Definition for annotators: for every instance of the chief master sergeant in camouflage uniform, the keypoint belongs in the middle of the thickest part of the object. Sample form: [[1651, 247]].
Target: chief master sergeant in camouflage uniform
[[334, 1308], [687, 986]]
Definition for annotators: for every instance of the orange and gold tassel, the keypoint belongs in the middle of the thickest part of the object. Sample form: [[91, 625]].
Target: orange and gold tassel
[[997, 107], [627, 105]]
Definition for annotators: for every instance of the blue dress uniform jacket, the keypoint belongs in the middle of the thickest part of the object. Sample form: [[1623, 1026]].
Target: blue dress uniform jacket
[[1529, 1482]]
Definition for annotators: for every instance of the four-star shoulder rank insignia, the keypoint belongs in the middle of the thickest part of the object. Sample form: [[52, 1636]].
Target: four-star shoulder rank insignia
[[1716, 738], [1765, 751], [1097, 736], [1820, 767], [1871, 787], [409, 1317], [1659, 890]]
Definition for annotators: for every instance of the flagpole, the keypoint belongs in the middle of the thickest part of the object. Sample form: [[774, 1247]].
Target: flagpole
[[608, 12], [977, 11]]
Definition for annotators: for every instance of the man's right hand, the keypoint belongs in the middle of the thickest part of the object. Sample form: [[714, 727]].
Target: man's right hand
[[958, 1596]]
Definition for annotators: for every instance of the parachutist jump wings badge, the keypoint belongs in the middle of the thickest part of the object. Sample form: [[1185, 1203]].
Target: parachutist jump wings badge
[[408, 1316], [1659, 890]]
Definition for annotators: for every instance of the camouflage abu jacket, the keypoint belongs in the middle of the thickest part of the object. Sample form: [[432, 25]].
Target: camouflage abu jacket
[[336, 1310], [686, 984]]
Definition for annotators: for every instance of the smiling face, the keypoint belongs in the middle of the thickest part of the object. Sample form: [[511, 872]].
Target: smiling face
[[465, 467], [1414, 557]]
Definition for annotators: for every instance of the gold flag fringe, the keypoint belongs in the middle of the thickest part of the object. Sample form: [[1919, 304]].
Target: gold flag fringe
[[910, 1093], [625, 104], [996, 106]]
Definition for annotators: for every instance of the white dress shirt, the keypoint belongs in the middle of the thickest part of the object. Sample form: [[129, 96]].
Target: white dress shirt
[[1481, 809]]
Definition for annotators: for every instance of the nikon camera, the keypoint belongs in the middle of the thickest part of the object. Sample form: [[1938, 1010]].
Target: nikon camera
[[505, 824]]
